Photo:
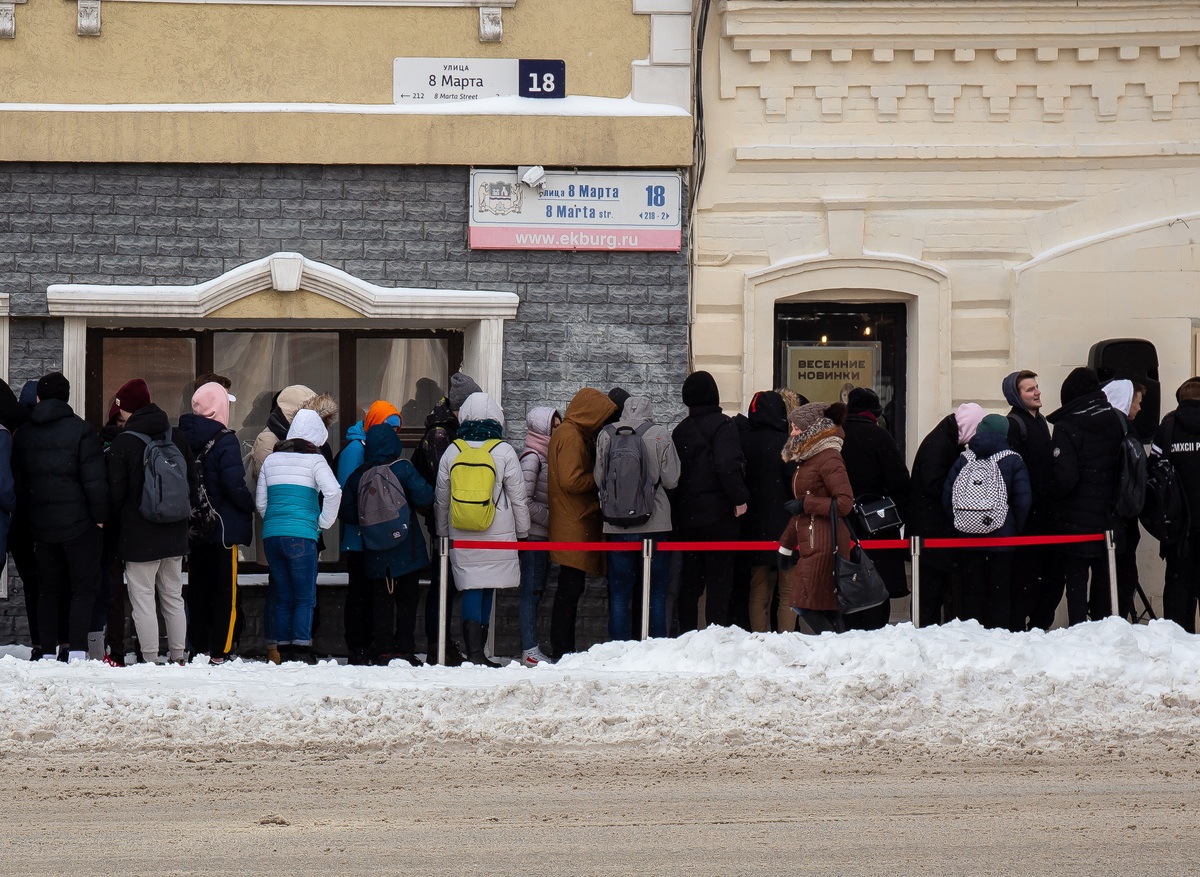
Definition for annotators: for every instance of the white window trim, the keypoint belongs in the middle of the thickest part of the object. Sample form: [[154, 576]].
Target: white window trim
[[480, 314]]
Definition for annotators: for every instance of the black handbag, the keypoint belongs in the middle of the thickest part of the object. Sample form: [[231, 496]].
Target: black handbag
[[855, 579], [876, 514]]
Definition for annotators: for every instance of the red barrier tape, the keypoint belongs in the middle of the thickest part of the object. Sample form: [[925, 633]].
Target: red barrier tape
[[1009, 541], [545, 546], [870, 544]]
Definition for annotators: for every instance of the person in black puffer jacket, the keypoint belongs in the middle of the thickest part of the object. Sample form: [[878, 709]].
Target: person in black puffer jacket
[[59, 466], [1038, 582], [987, 572], [152, 551], [1087, 449], [1178, 439], [212, 562], [764, 432], [876, 468], [927, 516], [710, 498]]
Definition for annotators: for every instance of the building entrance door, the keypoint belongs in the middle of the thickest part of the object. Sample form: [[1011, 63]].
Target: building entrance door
[[826, 349]]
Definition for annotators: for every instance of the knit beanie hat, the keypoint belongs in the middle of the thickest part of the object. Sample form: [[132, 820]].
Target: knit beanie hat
[[54, 386], [994, 424], [133, 396], [1079, 382], [1189, 390], [378, 413], [618, 395], [461, 386], [211, 400], [806, 415], [968, 416], [864, 399], [700, 388]]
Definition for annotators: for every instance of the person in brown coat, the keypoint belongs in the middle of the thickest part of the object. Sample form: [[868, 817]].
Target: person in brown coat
[[574, 501], [820, 481]]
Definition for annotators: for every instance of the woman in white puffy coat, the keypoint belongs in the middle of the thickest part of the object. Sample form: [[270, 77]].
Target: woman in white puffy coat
[[479, 572]]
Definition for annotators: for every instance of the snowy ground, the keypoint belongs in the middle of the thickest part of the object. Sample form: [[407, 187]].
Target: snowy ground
[[960, 688]]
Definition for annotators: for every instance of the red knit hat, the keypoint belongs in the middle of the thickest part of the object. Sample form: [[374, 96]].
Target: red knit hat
[[132, 396]]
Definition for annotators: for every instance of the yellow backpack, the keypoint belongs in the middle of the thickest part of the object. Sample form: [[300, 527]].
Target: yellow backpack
[[473, 486]]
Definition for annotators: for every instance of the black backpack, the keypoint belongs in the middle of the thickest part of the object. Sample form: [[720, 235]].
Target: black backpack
[[205, 517], [1165, 513], [1131, 473], [166, 496]]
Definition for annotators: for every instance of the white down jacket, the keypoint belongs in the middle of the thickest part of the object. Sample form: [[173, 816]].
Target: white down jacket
[[481, 568]]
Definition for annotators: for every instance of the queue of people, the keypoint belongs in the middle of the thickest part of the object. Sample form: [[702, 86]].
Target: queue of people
[[122, 509]]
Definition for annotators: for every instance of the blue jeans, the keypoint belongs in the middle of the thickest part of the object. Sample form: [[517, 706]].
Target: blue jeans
[[535, 569], [624, 573], [477, 605], [293, 563]]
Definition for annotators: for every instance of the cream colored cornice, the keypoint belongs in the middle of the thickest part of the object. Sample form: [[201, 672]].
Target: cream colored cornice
[[284, 272]]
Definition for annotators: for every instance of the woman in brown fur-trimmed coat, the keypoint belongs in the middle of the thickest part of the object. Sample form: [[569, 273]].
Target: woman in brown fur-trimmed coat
[[820, 481]]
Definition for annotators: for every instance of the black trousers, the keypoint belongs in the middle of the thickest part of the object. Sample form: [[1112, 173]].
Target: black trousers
[[432, 602], [987, 589], [357, 613], [1181, 592], [1081, 604], [707, 574], [394, 614], [212, 599], [69, 570], [1128, 579], [571, 583]]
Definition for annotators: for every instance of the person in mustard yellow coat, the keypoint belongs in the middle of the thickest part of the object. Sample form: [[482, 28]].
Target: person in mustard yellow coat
[[574, 502]]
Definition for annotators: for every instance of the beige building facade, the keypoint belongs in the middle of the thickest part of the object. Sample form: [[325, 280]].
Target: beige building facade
[[989, 186]]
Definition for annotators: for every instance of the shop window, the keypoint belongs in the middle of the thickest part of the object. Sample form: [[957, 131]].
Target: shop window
[[411, 369]]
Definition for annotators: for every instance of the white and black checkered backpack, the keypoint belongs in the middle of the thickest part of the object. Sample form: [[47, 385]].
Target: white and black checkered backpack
[[979, 495]]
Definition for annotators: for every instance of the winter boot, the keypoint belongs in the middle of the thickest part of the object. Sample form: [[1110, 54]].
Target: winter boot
[[475, 635], [454, 658], [273, 654], [303, 654]]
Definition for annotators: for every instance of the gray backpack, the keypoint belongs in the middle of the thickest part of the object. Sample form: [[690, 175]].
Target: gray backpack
[[383, 514], [627, 494], [166, 495]]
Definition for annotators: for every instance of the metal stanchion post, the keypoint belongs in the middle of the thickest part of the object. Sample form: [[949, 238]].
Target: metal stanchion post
[[444, 569], [647, 556], [914, 544], [1111, 544]]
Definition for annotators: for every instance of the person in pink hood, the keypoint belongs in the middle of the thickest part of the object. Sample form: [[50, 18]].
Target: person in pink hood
[[213, 551], [926, 515], [535, 565]]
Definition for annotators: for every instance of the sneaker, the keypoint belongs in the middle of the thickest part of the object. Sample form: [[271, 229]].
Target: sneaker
[[533, 657], [112, 662]]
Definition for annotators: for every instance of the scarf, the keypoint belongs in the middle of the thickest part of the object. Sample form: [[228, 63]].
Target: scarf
[[480, 430], [818, 437]]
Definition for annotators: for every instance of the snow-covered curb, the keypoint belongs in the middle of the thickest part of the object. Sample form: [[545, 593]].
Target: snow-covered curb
[[1104, 684]]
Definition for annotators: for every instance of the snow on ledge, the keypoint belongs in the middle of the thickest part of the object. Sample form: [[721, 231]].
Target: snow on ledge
[[574, 105]]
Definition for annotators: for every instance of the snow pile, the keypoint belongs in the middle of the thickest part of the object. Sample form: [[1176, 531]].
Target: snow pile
[[1105, 684]]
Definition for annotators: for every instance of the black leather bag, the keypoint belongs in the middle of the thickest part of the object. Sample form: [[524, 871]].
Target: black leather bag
[[855, 579], [876, 514]]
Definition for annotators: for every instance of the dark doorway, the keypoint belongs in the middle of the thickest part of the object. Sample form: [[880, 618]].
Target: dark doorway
[[825, 349]]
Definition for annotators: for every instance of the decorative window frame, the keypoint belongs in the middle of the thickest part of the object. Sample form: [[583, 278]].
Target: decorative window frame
[[480, 314]]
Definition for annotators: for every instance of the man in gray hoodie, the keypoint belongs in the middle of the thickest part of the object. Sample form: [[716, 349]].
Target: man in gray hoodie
[[625, 567]]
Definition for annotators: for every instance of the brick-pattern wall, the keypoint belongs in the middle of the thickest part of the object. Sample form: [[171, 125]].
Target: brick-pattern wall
[[586, 319]]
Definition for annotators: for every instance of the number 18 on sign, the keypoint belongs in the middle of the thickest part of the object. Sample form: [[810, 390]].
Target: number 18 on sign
[[542, 79]]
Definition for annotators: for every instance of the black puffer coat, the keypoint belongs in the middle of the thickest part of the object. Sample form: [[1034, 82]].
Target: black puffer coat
[[710, 478], [873, 461], [1183, 450], [224, 479], [140, 539], [59, 466], [763, 432], [1087, 448], [938, 452]]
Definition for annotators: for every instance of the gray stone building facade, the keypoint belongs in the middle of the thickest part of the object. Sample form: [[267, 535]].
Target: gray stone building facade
[[597, 319]]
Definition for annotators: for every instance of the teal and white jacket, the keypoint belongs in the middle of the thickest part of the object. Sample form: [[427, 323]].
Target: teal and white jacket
[[298, 494]]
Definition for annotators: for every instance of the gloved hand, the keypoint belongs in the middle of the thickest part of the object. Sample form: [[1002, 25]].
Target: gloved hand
[[794, 506], [787, 561]]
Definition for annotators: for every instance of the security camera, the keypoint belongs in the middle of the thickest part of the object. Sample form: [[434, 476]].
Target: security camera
[[532, 176]]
